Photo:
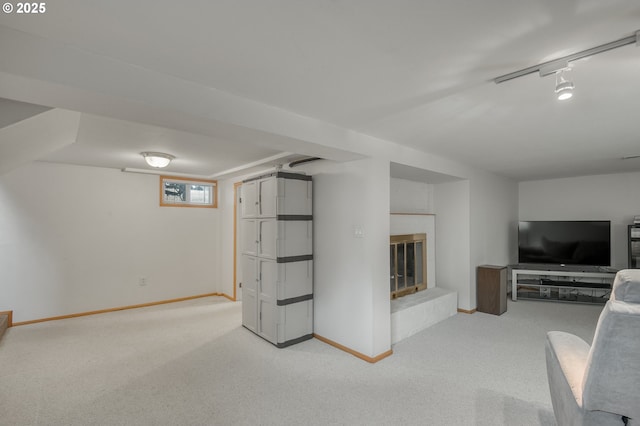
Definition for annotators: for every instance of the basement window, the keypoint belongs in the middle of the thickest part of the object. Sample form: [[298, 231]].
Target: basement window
[[186, 192]]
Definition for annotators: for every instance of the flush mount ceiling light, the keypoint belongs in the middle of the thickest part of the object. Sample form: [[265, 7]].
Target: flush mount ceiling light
[[564, 88], [157, 159]]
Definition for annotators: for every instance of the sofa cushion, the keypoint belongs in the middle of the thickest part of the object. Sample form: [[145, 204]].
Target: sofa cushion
[[626, 286], [612, 374]]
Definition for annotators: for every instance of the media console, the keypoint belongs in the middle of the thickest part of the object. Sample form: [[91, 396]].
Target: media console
[[560, 284]]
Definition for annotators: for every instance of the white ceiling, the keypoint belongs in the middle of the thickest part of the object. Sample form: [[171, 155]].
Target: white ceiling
[[417, 73], [106, 142], [12, 112]]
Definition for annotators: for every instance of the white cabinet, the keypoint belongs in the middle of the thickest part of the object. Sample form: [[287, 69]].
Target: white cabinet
[[276, 239], [259, 198], [276, 235], [274, 196], [249, 292]]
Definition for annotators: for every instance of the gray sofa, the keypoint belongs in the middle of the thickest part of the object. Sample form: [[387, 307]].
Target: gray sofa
[[600, 384]]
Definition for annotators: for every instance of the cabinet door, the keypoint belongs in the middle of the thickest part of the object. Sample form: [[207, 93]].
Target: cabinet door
[[295, 279], [296, 320], [249, 197], [294, 238], [267, 322], [268, 238], [267, 202], [294, 197], [249, 236], [249, 292]]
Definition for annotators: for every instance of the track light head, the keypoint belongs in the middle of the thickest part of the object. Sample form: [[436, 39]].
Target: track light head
[[564, 88]]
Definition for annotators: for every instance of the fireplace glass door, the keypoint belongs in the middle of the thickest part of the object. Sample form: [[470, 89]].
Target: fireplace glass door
[[408, 259]]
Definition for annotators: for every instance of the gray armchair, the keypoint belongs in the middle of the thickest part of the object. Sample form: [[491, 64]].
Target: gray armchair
[[599, 385]]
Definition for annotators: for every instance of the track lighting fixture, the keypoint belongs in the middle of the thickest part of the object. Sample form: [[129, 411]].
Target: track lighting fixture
[[564, 88]]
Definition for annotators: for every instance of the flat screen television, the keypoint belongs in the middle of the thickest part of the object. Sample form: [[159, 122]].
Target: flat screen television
[[565, 242]]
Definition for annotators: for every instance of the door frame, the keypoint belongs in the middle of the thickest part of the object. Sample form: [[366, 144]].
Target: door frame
[[236, 211]]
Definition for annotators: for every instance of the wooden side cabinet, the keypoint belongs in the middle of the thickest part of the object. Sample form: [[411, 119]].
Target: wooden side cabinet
[[491, 289]]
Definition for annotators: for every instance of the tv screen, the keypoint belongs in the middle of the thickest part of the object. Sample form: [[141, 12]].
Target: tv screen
[[565, 242]]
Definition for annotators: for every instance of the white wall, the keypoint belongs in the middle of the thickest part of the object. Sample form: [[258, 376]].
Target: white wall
[[494, 220], [225, 249], [476, 225], [351, 286], [75, 239], [408, 196], [494, 224], [452, 209], [604, 197], [415, 197]]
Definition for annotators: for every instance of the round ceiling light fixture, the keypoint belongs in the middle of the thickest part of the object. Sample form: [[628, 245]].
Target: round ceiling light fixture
[[157, 159], [564, 88]]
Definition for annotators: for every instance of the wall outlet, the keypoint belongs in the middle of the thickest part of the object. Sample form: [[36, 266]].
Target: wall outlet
[[142, 281]]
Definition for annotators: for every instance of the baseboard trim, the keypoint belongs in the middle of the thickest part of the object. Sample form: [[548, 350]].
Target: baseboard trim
[[9, 315], [121, 308], [464, 311], [352, 352], [225, 295]]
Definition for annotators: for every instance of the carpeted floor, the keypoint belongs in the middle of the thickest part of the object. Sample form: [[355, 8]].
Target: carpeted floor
[[191, 363]]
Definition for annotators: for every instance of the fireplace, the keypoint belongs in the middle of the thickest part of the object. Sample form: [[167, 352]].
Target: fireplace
[[408, 264]]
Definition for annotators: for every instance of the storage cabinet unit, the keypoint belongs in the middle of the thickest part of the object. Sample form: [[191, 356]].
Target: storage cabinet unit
[[276, 237], [634, 246], [491, 292]]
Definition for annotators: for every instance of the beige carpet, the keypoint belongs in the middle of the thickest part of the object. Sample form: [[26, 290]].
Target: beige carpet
[[191, 363]]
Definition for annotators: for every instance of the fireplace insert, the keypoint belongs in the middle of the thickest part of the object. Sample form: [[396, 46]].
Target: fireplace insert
[[408, 264]]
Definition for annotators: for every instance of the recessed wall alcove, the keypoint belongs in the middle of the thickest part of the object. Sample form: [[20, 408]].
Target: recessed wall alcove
[[412, 212], [414, 312]]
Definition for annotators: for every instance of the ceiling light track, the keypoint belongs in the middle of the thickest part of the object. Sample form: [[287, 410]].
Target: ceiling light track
[[550, 67]]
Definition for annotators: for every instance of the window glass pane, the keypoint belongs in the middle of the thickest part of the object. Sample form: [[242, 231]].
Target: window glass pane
[[200, 194], [174, 192]]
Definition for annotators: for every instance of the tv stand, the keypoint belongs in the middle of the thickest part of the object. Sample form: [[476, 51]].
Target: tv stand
[[561, 284]]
